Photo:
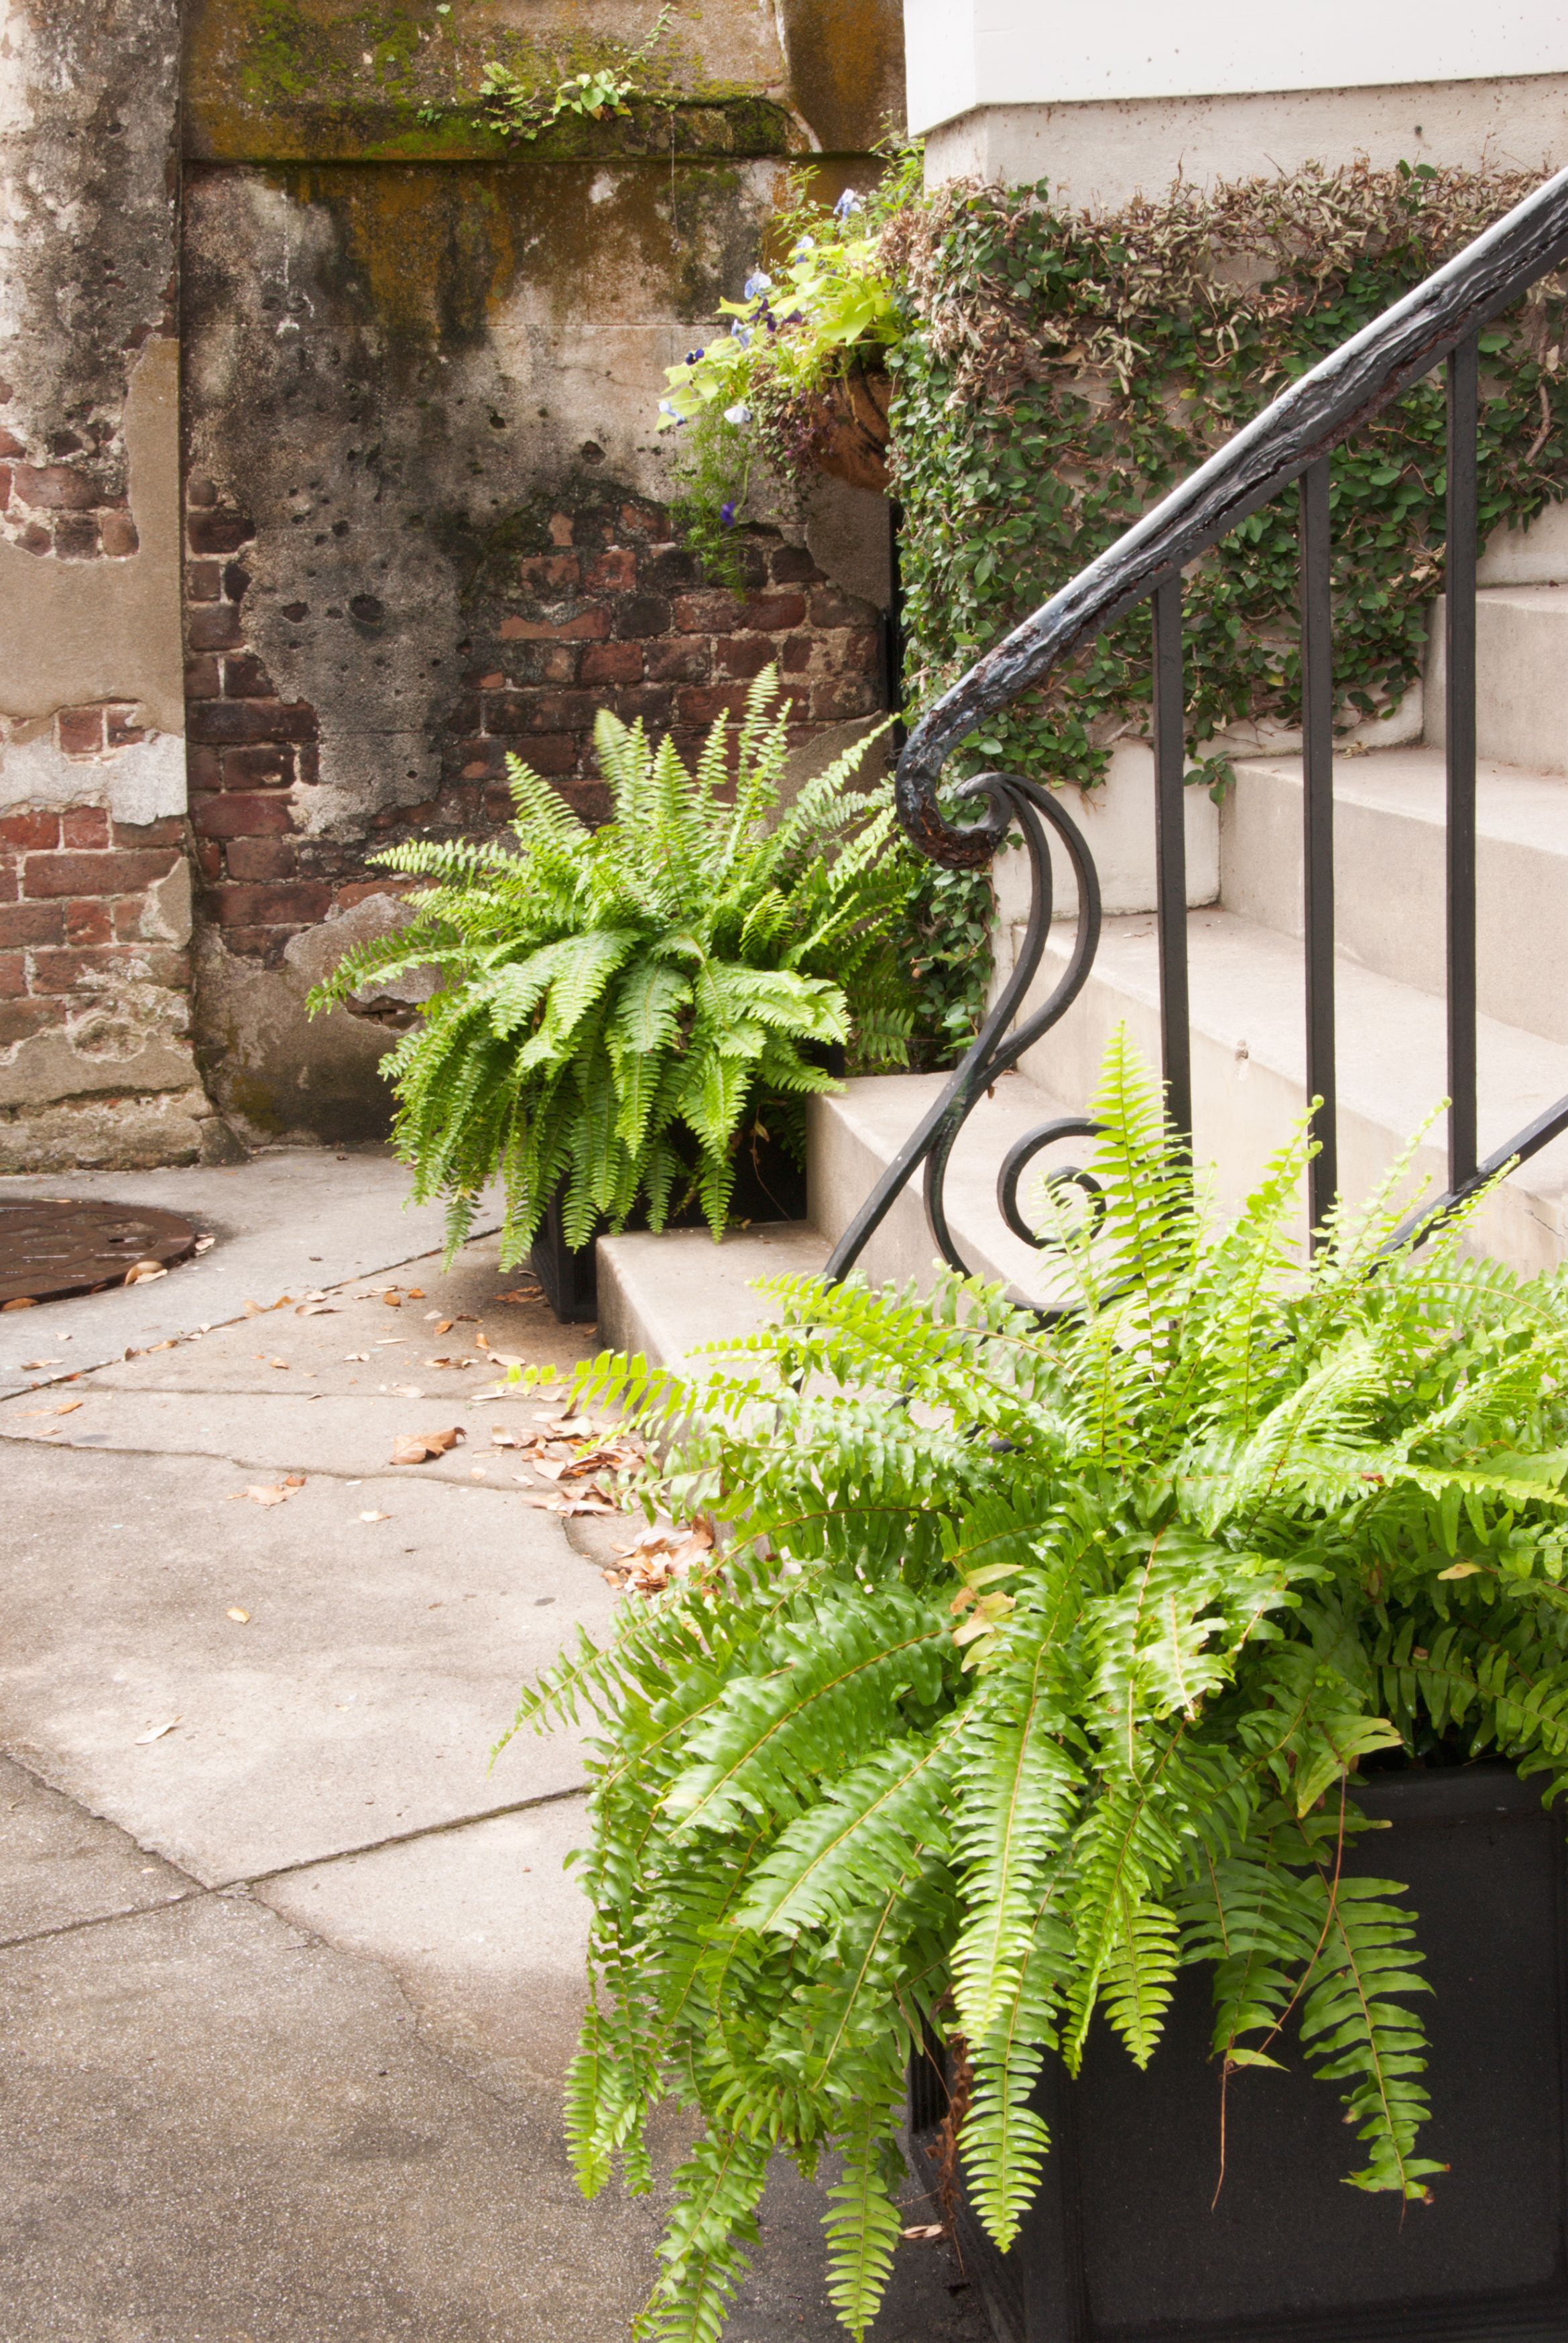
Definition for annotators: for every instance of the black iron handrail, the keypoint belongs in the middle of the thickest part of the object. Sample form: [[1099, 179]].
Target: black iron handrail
[[1290, 440]]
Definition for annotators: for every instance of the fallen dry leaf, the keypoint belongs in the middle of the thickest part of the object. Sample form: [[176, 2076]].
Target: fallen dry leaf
[[236, 1613], [552, 1467], [277, 1362], [503, 1358], [926, 2231], [204, 1245], [315, 1310], [355, 1358], [375, 1517], [142, 1272], [393, 1301], [415, 1293], [518, 1293], [449, 1362], [253, 1310], [588, 1504], [417, 1447], [544, 1504], [260, 1495], [35, 1366], [444, 1325], [68, 1407], [156, 1733], [405, 1390], [482, 1340]]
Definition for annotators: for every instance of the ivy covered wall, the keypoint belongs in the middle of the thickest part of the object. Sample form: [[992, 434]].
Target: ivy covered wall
[[1062, 370]]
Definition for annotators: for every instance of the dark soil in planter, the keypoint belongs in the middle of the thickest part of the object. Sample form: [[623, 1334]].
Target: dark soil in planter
[[769, 1185], [1125, 2243]]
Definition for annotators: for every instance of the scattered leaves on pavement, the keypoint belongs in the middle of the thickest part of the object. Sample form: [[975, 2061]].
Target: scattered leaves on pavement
[[261, 1493], [142, 1272], [157, 1732], [661, 1554], [418, 1447]]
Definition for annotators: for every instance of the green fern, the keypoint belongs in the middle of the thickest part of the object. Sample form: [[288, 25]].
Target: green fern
[[1040, 1664], [620, 1009]]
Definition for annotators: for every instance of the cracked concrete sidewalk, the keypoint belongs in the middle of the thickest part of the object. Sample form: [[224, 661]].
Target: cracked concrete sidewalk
[[287, 1993]]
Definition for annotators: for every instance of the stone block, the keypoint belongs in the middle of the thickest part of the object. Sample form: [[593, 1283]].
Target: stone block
[[88, 922], [30, 829], [80, 731], [298, 904], [111, 873], [641, 615], [31, 923]]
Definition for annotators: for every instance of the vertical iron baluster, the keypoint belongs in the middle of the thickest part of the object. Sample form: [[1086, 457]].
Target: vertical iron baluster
[[1170, 853], [1458, 691], [1317, 833]]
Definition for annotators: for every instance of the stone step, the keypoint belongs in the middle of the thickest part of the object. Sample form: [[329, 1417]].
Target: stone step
[[1249, 1067], [665, 1296], [1521, 676], [1390, 832]]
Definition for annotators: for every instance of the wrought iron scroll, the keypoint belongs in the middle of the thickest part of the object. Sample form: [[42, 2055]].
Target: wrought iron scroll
[[999, 1045], [1290, 441]]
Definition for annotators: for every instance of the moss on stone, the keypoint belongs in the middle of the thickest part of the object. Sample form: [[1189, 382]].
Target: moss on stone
[[304, 80]]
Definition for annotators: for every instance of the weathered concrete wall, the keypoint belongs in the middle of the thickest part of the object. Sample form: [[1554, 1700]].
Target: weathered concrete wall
[[425, 505], [96, 1062]]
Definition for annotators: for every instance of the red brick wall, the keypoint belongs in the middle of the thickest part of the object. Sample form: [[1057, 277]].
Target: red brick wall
[[73, 889], [612, 615]]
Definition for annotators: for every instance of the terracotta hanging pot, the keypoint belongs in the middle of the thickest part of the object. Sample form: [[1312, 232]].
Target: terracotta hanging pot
[[850, 443]]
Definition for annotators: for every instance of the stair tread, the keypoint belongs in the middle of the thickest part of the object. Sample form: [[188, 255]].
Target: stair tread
[[1246, 989], [1514, 805], [666, 1295]]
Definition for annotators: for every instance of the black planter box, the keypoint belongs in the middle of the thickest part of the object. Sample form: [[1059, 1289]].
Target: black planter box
[[769, 1185], [1121, 2245]]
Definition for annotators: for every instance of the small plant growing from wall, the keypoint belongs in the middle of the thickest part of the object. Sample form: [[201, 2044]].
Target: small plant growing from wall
[[521, 111]]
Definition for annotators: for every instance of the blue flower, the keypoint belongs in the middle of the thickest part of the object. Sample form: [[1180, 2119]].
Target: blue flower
[[848, 202], [693, 356], [806, 244], [742, 335], [757, 282], [726, 514]]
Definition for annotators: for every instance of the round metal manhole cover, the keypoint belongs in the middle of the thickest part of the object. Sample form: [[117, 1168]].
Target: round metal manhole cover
[[51, 1249]]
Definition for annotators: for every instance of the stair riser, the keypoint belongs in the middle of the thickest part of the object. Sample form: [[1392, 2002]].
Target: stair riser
[[1243, 1109], [1521, 678], [1389, 892]]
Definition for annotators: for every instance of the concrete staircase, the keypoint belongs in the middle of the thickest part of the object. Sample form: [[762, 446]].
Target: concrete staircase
[[664, 1294]]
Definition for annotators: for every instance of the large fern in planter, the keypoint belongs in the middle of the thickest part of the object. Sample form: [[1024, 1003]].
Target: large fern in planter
[[618, 1005], [1041, 1664]]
